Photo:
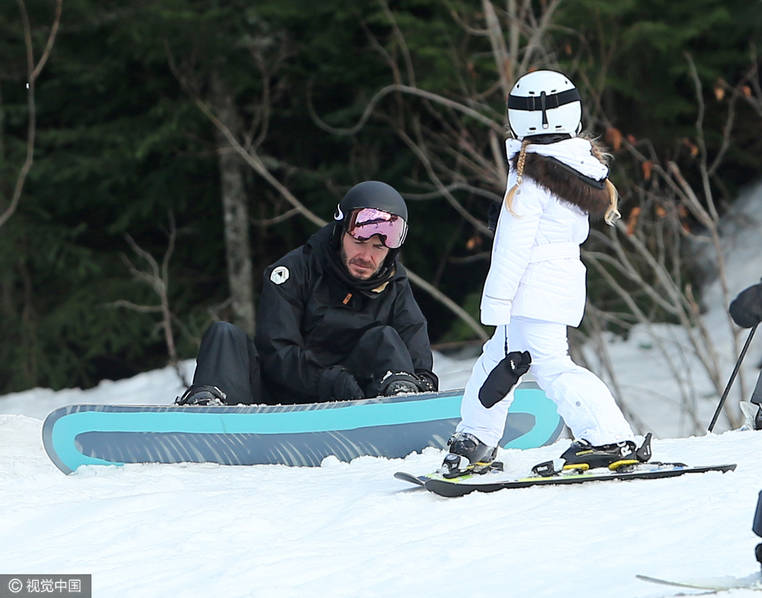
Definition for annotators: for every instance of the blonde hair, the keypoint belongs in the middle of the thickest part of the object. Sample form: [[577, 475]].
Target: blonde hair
[[519, 176], [612, 212]]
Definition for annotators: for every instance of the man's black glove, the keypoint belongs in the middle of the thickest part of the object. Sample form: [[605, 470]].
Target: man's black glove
[[746, 309], [504, 377], [338, 384]]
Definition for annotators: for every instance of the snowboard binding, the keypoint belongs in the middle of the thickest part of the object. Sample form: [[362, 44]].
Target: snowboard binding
[[201, 395]]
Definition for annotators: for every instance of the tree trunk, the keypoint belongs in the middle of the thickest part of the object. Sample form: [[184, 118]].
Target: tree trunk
[[235, 211]]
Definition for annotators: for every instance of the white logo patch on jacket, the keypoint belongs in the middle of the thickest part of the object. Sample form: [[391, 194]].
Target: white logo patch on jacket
[[279, 275]]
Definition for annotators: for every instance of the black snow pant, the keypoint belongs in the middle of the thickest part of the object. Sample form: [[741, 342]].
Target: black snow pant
[[229, 360], [379, 350]]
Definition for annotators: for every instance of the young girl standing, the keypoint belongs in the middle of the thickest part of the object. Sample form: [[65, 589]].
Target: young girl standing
[[536, 287]]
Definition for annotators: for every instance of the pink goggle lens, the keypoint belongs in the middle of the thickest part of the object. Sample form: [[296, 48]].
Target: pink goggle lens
[[366, 222]]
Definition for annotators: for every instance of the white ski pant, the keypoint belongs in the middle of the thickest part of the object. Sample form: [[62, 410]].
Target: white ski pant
[[582, 399]]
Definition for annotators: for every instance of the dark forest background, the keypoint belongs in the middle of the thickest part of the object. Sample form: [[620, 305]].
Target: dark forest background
[[156, 155]]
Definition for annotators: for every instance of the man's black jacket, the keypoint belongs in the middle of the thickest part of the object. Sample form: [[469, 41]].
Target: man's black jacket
[[309, 319]]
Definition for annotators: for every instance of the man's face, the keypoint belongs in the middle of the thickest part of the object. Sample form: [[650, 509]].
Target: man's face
[[363, 258]]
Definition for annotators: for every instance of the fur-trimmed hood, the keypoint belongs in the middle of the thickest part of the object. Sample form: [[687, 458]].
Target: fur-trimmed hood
[[564, 181]]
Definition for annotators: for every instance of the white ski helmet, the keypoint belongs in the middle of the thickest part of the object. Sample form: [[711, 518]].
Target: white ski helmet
[[544, 103]]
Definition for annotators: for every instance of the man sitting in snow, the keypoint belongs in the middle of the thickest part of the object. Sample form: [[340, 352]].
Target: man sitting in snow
[[746, 311], [336, 320]]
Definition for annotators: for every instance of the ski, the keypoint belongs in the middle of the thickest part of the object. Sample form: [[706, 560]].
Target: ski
[[715, 584], [494, 481], [418, 480]]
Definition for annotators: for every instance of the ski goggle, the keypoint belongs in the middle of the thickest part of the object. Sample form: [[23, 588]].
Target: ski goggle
[[366, 222]]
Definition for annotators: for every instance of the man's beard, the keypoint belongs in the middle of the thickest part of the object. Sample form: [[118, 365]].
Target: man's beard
[[358, 262]]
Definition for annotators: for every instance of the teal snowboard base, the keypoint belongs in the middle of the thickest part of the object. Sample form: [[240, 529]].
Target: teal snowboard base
[[301, 435]]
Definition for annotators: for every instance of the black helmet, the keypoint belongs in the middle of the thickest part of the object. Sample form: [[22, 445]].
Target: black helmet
[[374, 195]]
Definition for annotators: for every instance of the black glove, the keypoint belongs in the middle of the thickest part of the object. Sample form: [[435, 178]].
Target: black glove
[[338, 384], [746, 309], [504, 377]]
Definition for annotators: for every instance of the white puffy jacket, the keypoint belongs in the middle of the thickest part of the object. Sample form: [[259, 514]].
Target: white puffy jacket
[[536, 271]]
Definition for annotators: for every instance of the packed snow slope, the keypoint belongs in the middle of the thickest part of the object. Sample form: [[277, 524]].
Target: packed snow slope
[[352, 530]]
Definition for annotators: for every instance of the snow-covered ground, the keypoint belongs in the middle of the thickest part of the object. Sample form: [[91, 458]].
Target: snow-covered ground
[[351, 529]]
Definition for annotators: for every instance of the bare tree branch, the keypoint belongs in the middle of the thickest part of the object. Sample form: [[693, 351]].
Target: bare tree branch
[[401, 41], [258, 165], [157, 278], [499, 51], [534, 44], [33, 72], [381, 93], [265, 222]]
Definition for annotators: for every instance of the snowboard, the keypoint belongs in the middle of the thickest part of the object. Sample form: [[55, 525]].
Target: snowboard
[[494, 481], [713, 584], [297, 435]]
